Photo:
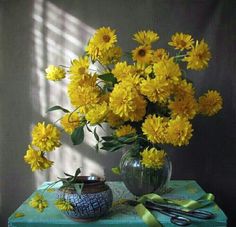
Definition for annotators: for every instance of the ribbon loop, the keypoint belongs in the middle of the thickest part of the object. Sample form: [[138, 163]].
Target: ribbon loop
[[147, 217], [185, 204]]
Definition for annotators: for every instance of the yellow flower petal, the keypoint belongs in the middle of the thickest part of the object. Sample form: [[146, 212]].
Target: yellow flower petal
[[19, 215], [38, 202], [153, 158], [181, 41], [198, 57], [125, 130], [46, 137], [210, 103], [55, 73]]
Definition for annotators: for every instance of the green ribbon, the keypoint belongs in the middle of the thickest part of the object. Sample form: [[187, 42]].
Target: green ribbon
[[186, 204], [148, 218]]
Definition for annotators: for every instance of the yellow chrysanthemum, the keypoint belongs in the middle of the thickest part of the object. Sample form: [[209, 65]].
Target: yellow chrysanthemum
[[142, 70], [153, 158], [93, 50], [181, 41], [210, 103], [36, 159], [104, 38], [63, 205], [122, 70], [88, 97], [198, 57], [140, 108], [183, 89], [55, 73], [167, 69], [159, 54], [46, 137], [79, 66], [83, 92], [38, 202], [125, 130], [114, 120], [134, 81], [126, 102], [142, 54], [184, 107], [70, 122], [156, 90], [110, 56], [97, 113], [146, 37], [154, 128], [179, 131], [83, 80]]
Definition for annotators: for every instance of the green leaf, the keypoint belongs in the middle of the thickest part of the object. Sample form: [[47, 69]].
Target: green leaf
[[127, 139], [96, 135], [74, 178], [88, 128], [77, 136], [108, 77], [65, 179], [107, 138], [100, 126], [65, 184], [110, 144], [116, 170], [116, 148], [97, 147], [68, 175], [57, 108], [79, 187], [77, 172], [112, 148]]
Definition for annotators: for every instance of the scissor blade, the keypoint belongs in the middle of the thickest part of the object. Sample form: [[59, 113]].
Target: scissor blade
[[201, 214]]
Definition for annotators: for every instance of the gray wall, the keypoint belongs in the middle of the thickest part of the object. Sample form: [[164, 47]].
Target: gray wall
[[41, 32]]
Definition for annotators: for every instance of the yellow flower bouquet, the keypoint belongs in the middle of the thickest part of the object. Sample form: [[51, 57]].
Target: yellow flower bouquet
[[145, 95]]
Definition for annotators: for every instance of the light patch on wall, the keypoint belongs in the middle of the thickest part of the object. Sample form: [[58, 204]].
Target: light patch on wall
[[58, 38]]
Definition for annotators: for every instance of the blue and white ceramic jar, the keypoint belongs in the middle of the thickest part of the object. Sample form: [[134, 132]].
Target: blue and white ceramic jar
[[94, 201]]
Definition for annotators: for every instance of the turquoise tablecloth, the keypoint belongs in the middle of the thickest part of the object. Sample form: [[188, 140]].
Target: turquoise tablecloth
[[121, 215]]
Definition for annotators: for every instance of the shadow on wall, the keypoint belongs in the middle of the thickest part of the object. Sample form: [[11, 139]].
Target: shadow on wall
[[209, 158], [55, 32], [58, 38]]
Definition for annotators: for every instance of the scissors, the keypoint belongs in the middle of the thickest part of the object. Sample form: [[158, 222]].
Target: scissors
[[174, 213]]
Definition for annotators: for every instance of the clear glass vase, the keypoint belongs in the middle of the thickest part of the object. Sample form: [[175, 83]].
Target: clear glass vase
[[140, 180]]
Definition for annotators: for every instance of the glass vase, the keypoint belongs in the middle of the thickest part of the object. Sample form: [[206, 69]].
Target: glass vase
[[141, 180]]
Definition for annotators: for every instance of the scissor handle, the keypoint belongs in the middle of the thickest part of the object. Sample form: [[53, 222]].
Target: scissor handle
[[176, 219], [181, 221]]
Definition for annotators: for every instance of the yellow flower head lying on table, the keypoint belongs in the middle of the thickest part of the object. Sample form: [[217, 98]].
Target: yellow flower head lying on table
[[38, 202], [63, 205]]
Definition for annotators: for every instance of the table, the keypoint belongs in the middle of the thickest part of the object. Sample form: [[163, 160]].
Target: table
[[120, 215]]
